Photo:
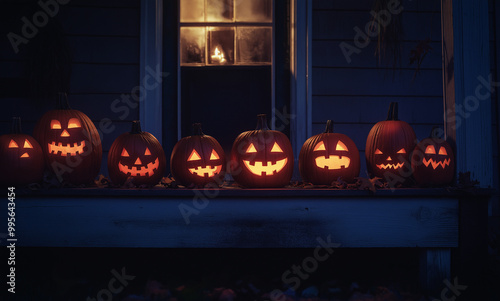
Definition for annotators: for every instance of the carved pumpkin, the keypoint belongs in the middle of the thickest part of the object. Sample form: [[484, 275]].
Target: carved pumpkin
[[388, 147], [198, 159], [21, 157], [327, 156], [70, 143], [138, 155], [433, 162], [262, 158]]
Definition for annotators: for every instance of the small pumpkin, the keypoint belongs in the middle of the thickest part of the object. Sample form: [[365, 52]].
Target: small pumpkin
[[70, 143], [433, 162], [262, 157], [327, 156], [198, 159], [21, 157], [388, 147], [137, 155]]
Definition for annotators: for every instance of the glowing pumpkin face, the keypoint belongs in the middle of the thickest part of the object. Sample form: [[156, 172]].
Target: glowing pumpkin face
[[327, 156], [433, 162], [137, 155], [198, 159], [388, 147], [71, 144], [21, 157], [262, 158]]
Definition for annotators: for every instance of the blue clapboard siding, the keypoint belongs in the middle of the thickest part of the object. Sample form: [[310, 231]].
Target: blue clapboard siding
[[357, 94], [103, 37]]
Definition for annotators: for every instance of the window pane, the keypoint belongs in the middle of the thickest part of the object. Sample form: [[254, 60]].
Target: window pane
[[220, 10], [192, 10], [254, 11], [192, 45], [254, 45], [220, 45]]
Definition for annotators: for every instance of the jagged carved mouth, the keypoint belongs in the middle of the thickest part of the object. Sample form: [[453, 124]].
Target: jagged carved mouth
[[390, 166], [436, 164], [66, 149], [333, 162], [259, 169], [142, 171], [207, 171]]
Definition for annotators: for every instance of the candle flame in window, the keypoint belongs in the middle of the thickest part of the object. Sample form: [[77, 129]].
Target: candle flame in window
[[218, 56]]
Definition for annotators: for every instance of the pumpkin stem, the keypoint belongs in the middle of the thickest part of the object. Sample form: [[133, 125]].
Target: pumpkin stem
[[389, 114], [435, 132], [393, 111], [62, 101], [136, 127], [329, 127], [262, 122], [16, 125], [197, 129]]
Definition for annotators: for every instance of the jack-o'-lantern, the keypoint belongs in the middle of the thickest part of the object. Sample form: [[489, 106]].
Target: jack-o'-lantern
[[388, 147], [262, 158], [70, 143], [433, 162], [137, 155], [327, 156], [198, 159], [21, 157]]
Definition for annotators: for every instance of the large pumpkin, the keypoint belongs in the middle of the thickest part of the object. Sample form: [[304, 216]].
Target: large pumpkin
[[433, 162], [388, 147], [327, 156], [70, 143], [137, 155], [198, 159], [21, 157], [262, 158]]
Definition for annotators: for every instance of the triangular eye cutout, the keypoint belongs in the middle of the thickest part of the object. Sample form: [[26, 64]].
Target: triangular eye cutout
[[147, 152], [27, 144], [13, 144], [214, 155], [442, 151], [341, 146], [320, 146], [378, 152], [402, 151], [125, 153], [430, 150], [276, 148], [194, 156], [251, 149]]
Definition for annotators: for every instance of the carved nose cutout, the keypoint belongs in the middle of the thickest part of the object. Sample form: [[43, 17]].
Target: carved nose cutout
[[138, 162], [65, 134], [389, 158]]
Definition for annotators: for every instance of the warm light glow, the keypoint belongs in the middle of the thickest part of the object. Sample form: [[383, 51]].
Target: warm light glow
[[55, 124], [74, 123], [435, 164], [251, 149], [442, 151], [265, 170], [378, 152], [77, 148], [65, 133], [27, 144], [218, 56], [214, 155], [147, 152], [13, 144], [333, 162], [207, 171], [389, 158], [276, 148], [390, 166], [138, 161], [341, 146], [430, 150], [402, 151], [25, 155], [142, 171], [194, 156], [125, 153], [320, 146]]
